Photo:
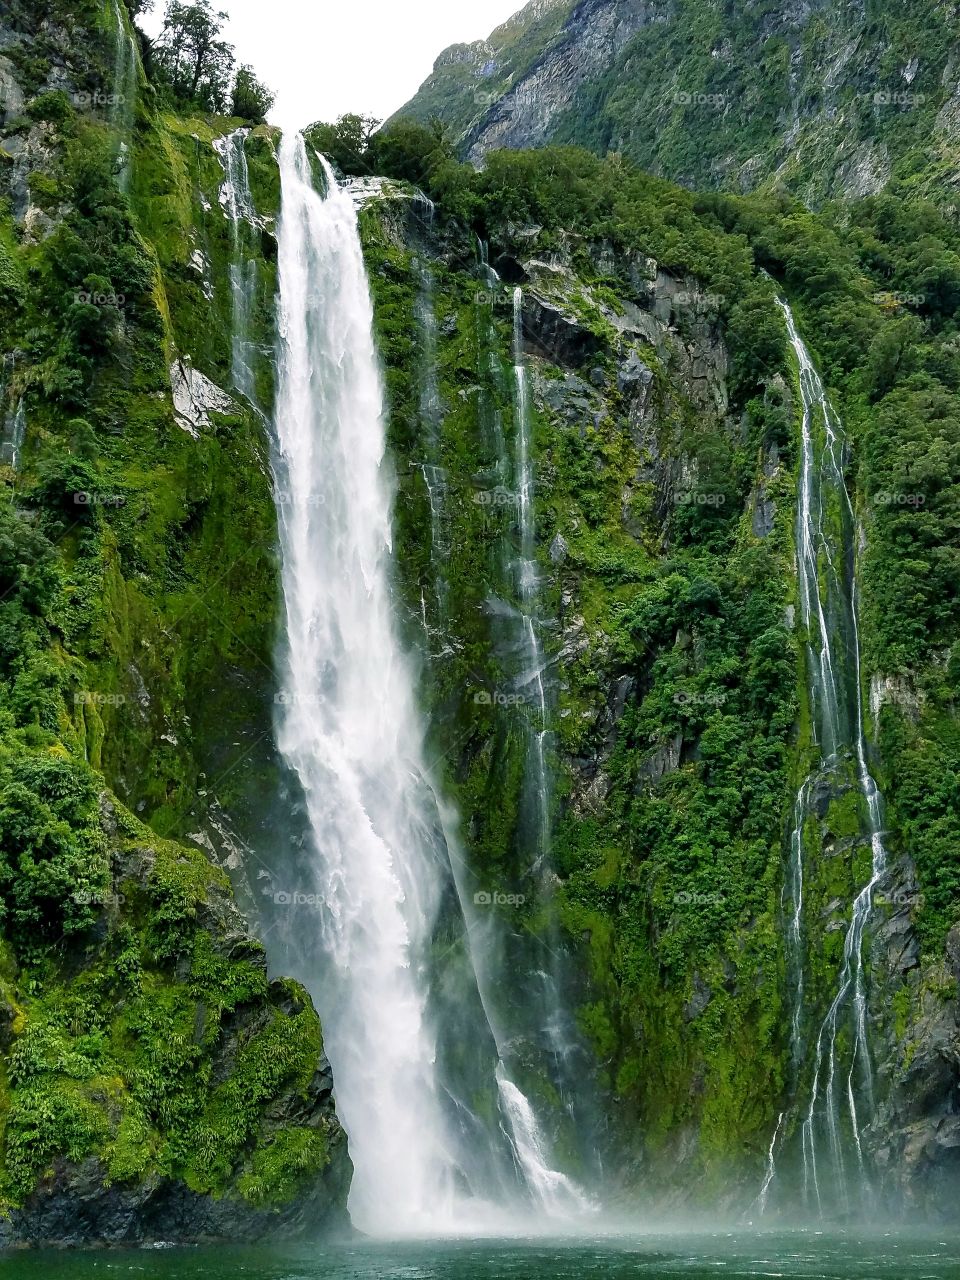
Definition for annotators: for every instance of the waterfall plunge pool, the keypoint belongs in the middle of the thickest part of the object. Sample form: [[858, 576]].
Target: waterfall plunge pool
[[812, 1254]]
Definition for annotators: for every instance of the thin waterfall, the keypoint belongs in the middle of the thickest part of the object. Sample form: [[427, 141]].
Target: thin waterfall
[[530, 681], [123, 94], [15, 429], [382, 884], [841, 1093], [238, 205], [431, 419]]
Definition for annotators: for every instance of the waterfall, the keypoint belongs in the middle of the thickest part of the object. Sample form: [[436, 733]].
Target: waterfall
[[378, 917], [15, 429], [431, 418], [839, 1092], [531, 678], [123, 94], [237, 203]]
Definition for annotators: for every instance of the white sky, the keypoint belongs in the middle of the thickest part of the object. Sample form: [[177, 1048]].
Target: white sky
[[323, 58]]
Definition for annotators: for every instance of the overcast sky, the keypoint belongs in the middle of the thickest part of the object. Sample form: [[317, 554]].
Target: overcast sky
[[323, 58]]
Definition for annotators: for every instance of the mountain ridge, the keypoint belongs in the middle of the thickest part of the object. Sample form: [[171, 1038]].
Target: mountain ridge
[[821, 99]]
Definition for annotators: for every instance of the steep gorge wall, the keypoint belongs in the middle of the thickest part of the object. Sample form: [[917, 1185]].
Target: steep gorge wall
[[665, 493], [138, 677], [156, 1083]]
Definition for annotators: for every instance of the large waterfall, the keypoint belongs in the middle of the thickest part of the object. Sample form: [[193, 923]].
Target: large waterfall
[[839, 1098], [377, 913]]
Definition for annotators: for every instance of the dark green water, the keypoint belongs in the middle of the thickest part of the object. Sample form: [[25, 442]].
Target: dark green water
[[814, 1255]]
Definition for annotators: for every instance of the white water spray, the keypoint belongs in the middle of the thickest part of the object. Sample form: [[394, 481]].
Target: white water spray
[[380, 858], [350, 728]]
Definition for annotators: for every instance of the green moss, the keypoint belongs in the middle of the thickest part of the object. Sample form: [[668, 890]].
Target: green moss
[[282, 1164]]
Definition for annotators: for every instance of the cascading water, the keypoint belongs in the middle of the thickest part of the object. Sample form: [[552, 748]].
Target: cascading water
[[238, 205], [123, 93], [382, 896], [15, 429], [536, 1037], [531, 679], [839, 1092], [431, 417]]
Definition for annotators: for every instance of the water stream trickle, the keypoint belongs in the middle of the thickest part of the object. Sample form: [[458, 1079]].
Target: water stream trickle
[[237, 203], [14, 432], [840, 1092], [531, 679], [123, 94]]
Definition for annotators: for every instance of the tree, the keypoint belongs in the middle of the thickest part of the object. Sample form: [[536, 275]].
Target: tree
[[410, 151], [251, 98], [190, 56], [345, 144]]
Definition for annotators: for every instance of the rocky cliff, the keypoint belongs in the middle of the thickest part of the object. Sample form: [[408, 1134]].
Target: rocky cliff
[[156, 1084], [622, 727], [824, 99], [665, 460]]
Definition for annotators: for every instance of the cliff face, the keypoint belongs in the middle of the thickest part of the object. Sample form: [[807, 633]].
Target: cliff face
[[156, 1084], [623, 724], [824, 99], [667, 609]]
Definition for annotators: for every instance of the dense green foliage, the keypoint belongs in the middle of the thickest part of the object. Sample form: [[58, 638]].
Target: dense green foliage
[[670, 886], [137, 594]]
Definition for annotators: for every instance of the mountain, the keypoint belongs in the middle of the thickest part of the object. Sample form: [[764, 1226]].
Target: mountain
[[822, 97], [521, 603]]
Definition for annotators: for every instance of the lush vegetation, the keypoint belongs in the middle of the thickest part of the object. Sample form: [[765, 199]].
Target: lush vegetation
[[193, 63], [712, 94], [137, 597], [674, 877]]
